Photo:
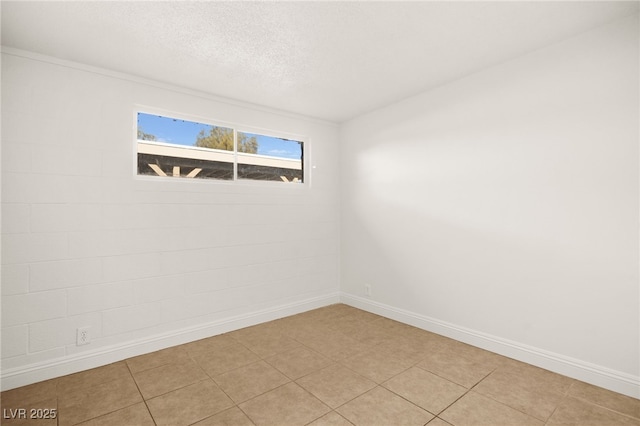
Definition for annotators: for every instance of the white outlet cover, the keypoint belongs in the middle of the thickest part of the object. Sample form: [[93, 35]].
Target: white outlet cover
[[83, 336]]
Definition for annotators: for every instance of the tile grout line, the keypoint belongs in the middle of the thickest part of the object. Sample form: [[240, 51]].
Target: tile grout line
[[333, 362], [105, 382], [464, 394], [140, 392], [190, 357], [586, 401], [216, 383], [500, 402], [245, 413]]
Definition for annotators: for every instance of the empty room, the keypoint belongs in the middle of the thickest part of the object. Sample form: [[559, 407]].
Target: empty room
[[320, 213]]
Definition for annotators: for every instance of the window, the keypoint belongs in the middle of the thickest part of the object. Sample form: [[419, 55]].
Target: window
[[172, 147]]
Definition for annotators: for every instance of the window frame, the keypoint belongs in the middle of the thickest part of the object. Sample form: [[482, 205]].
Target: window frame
[[236, 127]]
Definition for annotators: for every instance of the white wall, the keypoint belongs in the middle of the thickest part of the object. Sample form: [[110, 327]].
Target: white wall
[[502, 209], [146, 263]]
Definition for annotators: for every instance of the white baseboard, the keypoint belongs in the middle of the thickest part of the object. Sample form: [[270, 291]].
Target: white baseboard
[[597, 375], [32, 373], [594, 374]]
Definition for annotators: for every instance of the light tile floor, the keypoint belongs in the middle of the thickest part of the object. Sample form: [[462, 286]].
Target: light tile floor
[[335, 365]]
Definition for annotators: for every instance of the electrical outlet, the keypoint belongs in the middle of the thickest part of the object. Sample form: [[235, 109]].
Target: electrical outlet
[[83, 337], [367, 290]]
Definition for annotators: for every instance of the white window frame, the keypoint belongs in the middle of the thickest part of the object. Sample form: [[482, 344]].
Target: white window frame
[[237, 127]]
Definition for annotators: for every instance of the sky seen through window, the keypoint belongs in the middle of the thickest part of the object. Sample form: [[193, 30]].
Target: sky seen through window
[[183, 132]]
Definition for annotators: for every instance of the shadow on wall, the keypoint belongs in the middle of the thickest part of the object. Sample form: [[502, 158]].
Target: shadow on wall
[[519, 287]]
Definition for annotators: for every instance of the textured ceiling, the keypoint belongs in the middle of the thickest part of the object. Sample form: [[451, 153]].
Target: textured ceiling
[[329, 60]]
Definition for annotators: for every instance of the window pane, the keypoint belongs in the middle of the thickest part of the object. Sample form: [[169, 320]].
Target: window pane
[[269, 158], [180, 148], [160, 165], [174, 131]]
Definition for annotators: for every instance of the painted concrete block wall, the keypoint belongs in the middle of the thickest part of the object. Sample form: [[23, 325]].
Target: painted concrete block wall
[[87, 243], [504, 206]]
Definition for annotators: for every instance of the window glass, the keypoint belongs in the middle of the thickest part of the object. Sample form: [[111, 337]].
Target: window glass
[[172, 147], [263, 157]]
